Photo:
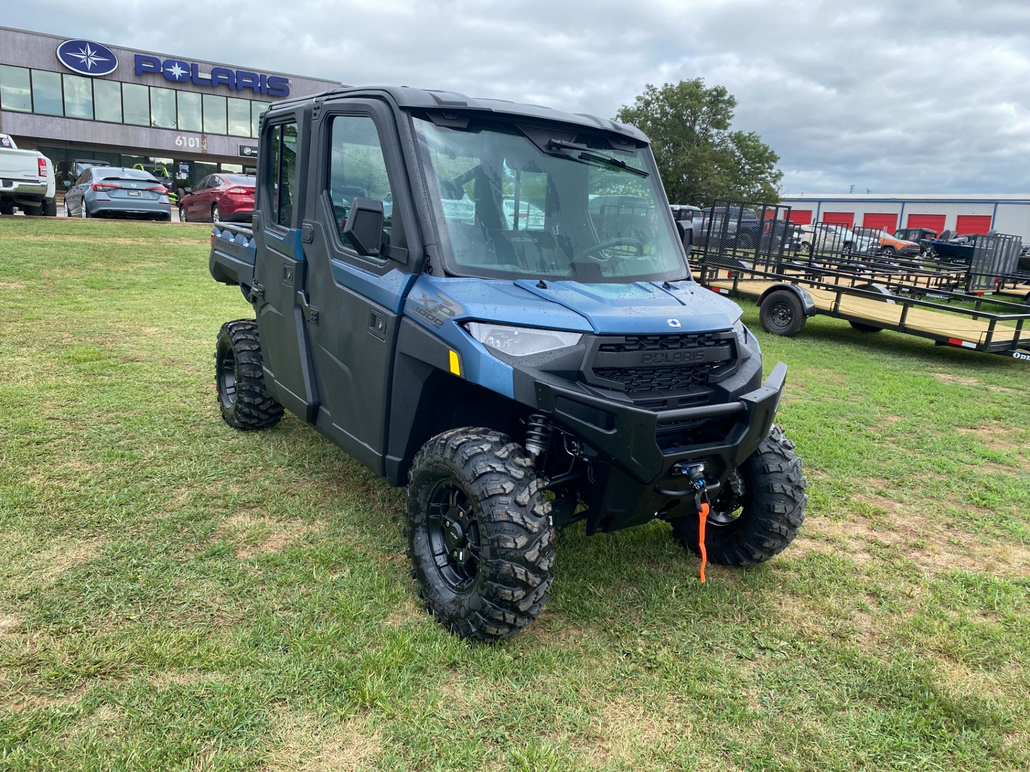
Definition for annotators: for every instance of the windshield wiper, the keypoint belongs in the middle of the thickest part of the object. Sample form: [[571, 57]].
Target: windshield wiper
[[588, 154], [608, 160]]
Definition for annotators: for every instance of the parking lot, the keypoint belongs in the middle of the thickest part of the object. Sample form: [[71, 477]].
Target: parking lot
[[173, 593]]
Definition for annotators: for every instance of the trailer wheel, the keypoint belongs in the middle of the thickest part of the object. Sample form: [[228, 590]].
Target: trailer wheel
[[759, 510], [782, 314], [242, 396], [869, 328], [480, 536]]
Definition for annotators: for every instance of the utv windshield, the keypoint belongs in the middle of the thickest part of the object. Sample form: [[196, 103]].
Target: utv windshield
[[548, 207]]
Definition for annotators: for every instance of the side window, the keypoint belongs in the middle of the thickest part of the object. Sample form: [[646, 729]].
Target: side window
[[83, 178], [282, 170], [357, 168]]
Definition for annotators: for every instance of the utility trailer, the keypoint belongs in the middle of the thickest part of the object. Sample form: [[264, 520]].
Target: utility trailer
[[789, 290]]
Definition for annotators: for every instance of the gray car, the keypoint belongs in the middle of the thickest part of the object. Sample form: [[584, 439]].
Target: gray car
[[112, 191]]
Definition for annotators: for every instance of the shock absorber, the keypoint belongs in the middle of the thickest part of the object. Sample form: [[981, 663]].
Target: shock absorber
[[538, 436]]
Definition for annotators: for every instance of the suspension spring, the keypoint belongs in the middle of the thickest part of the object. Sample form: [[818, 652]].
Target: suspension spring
[[538, 436]]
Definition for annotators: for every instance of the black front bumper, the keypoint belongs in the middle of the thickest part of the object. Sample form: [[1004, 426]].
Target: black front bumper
[[635, 476]]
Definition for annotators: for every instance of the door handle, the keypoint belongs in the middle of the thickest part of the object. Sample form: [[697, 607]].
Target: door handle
[[310, 312]]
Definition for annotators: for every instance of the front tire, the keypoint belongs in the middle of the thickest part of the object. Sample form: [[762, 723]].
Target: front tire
[[182, 213], [242, 395], [216, 213], [888, 251], [759, 510], [480, 536]]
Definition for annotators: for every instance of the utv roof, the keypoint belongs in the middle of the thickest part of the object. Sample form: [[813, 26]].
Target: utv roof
[[410, 98]]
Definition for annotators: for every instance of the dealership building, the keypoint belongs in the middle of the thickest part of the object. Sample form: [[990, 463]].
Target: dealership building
[[961, 214], [178, 117]]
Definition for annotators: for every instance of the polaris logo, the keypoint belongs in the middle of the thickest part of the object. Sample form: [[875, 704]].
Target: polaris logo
[[673, 357], [1021, 355], [87, 58], [180, 71]]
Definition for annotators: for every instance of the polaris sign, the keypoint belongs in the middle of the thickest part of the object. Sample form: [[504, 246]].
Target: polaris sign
[[179, 71], [87, 58]]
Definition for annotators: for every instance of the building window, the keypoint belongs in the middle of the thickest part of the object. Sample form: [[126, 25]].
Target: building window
[[46, 93], [162, 108], [256, 108], [136, 101], [214, 114], [78, 97], [15, 93], [191, 116], [107, 100], [239, 117]]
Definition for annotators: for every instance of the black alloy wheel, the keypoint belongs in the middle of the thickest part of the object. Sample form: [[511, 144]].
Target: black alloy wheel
[[454, 535]]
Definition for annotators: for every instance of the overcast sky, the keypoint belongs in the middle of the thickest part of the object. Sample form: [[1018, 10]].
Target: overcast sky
[[929, 96]]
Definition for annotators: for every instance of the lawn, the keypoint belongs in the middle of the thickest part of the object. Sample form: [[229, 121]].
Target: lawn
[[176, 595]]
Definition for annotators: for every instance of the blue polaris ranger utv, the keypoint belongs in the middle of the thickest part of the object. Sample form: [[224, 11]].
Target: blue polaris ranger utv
[[489, 303]]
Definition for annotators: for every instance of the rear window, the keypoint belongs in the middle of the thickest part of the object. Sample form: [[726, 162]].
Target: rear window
[[105, 173], [240, 179]]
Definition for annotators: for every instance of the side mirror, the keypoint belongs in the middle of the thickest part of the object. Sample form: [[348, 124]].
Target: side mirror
[[66, 183], [188, 190], [364, 227]]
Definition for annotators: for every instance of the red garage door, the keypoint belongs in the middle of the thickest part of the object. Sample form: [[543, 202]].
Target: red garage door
[[934, 222], [801, 216], [882, 222], [972, 223], [840, 218]]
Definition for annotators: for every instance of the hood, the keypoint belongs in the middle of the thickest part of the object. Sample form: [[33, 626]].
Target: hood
[[604, 309]]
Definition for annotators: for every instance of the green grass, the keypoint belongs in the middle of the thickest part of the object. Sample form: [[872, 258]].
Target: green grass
[[176, 595]]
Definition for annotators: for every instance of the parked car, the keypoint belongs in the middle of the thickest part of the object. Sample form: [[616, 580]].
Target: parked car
[[921, 236], [67, 172], [27, 180], [685, 215], [832, 238], [113, 191], [889, 245], [220, 197], [740, 225]]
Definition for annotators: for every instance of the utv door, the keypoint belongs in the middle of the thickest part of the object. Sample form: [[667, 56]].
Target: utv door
[[280, 270], [358, 297]]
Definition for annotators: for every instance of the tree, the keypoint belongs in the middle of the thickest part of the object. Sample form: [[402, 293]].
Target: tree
[[699, 157]]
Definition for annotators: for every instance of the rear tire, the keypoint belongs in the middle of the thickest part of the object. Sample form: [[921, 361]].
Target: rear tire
[[759, 511], [480, 536], [50, 208], [781, 313], [242, 395]]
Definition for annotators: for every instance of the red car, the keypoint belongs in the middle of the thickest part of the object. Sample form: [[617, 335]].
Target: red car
[[219, 197]]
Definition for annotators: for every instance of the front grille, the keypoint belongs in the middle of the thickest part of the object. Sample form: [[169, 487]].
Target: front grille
[[639, 379], [663, 342]]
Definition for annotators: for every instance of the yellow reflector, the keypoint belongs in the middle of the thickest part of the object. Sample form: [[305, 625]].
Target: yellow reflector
[[455, 365]]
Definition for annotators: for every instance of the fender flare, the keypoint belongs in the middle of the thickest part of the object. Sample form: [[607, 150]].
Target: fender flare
[[807, 304], [879, 288]]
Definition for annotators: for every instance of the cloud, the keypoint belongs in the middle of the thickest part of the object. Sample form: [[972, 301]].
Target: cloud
[[917, 96]]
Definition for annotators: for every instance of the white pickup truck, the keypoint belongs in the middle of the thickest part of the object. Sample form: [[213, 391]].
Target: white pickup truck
[[26, 180]]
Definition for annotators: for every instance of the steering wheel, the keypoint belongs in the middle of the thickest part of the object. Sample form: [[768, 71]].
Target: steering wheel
[[619, 241]]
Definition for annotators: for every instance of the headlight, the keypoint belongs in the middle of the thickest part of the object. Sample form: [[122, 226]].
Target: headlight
[[743, 349], [521, 341]]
